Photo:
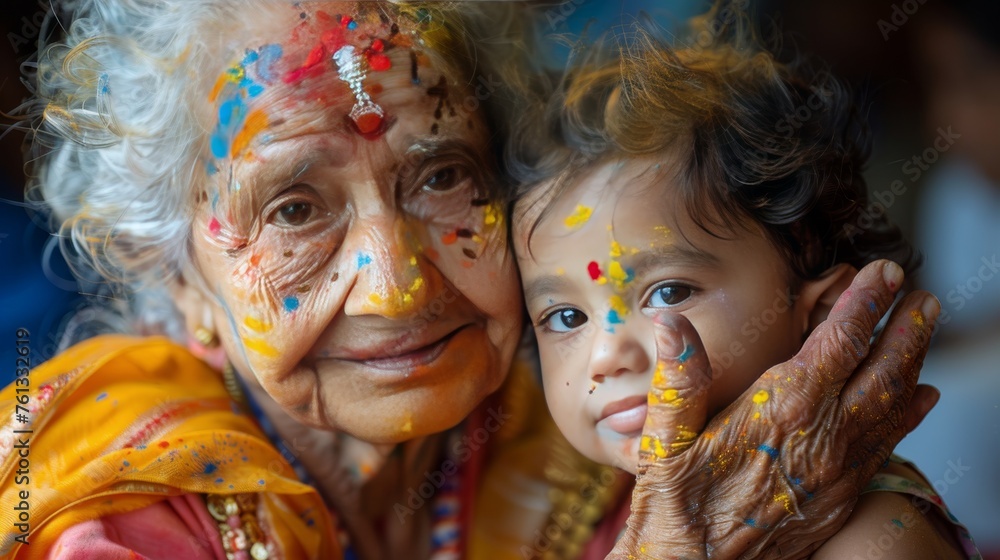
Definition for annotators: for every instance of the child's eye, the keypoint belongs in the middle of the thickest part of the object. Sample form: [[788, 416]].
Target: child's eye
[[564, 320], [667, 295]]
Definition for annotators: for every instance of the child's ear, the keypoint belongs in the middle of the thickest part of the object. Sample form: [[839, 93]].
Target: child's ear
[[818, 296]]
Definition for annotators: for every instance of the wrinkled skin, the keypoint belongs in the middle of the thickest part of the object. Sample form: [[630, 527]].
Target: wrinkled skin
[[845, 405]]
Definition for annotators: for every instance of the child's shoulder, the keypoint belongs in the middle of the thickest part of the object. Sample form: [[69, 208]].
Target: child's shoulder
[[899, 516]]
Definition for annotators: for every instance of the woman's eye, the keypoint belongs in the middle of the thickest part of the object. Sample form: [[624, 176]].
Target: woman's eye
[[294, 213], [444, 180], [564, 320], [668, 295]]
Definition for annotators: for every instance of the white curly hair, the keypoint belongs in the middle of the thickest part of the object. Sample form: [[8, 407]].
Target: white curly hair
[[117, 148]]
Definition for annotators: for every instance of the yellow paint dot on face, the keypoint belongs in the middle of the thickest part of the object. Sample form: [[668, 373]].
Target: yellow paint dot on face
[[618, 305], [491, 214], [756, 416], [617, 273], [761, 397], [407, 426], [616, 249], [413, 261], [256, 324], [260, 346], [560, 271], [579, 216], [375, 298], [918, 317]]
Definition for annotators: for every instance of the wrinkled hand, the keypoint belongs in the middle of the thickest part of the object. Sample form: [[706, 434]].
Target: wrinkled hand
[[777, 473]]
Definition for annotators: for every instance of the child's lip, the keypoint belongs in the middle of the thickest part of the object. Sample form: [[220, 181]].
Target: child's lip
[[625, 416]]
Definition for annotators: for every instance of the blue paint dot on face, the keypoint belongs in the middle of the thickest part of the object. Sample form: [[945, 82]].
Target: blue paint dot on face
[[210, 468], [871, 306], [250, 57], [220, 146], [101, 397], [629, 275], [291, 303], [126, 463], [363, 259], [353, 25], [613, 318], [254, 90], [218, 481], [260, 482]]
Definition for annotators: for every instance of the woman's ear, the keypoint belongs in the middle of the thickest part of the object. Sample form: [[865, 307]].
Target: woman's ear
[[818, 296], [195, 307]]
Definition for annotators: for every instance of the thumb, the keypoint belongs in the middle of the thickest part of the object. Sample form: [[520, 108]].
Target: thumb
[[678, 397]]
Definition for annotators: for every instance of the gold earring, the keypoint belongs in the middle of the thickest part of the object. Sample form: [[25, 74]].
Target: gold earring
[[206, 337]]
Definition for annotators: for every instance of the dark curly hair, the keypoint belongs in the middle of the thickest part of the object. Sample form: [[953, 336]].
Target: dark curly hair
[[782, 144]]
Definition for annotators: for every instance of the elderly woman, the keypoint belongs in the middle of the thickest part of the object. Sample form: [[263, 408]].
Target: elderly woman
[[311, 190]]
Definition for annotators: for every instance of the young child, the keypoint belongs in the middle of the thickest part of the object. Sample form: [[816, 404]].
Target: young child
[[718, 183]]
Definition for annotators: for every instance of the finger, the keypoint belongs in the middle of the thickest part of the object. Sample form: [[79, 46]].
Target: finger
[[924, 399], [839, 344], [887, 377], [678, 395]]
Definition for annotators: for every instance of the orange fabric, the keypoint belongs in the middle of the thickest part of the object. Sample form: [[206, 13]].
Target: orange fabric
[[118, 423]]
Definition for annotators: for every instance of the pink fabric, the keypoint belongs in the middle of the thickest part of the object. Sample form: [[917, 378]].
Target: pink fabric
[[178, 527]]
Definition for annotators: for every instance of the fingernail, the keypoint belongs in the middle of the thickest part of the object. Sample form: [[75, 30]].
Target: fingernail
[[929, 402], [930, 308], [893, 275], [673, 343]]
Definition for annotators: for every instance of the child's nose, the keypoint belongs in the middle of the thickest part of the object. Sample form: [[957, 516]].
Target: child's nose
[[618, 351]]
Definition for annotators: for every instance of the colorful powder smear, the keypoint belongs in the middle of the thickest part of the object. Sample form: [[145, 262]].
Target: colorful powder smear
[[238, 125], [581, 215]]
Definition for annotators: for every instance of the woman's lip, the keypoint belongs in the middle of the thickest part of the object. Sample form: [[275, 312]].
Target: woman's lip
[[626, 416], [409, 358]]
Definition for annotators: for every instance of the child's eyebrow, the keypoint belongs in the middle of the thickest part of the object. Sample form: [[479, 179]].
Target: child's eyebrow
[[675, 254], [544, 285]]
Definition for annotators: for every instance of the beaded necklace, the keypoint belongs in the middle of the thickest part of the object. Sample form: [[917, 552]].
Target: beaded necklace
[[446, 529]]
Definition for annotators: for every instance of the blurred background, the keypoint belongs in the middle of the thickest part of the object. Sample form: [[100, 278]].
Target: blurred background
[[930, 72]]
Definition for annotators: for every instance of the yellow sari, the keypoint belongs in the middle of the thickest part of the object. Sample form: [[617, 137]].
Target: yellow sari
[[116, 424], [119, 423]]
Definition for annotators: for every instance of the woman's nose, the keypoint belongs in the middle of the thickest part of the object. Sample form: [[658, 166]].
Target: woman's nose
[[618, 351], [392, 278]]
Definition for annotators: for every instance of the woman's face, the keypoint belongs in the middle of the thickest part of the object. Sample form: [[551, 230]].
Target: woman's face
[[354, 265]]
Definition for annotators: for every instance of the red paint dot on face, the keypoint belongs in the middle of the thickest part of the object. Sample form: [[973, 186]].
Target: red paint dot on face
[[902, 330], [164, 444], [255, 259], [214, 227], [379, 62], [594, 270], [449, 238]]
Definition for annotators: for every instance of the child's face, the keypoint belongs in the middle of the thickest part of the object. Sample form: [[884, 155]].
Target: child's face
[[616, 248]]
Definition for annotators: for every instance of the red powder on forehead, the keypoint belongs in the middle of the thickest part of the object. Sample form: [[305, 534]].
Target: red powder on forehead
[[594, 270], [379, 62]]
